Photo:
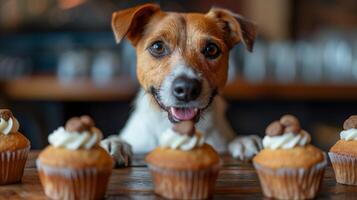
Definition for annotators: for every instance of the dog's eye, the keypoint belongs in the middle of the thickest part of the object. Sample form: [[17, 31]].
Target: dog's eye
[[211, 51], [158, 49]]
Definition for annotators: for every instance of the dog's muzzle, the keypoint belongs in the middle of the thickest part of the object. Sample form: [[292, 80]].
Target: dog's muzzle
[[184, 90]]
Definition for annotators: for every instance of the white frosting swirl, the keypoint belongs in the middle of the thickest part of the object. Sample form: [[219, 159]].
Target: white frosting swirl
[[287, 140], [174, 140], [9, 126], [350, 134], [75, 140]]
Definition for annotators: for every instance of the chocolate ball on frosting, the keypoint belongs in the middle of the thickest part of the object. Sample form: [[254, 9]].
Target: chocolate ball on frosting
[[292, 129], [79, 124], [291, 124], [286, 124], [350, 123], [274, 129], [5, 114], [289, 120], [185, 128], [87, 121], [74, 125]]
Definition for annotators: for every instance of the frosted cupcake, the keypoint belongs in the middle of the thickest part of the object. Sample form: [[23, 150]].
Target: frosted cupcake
[[74, 166], [343, 154], [289, 167], [184, 167], [14, 148]]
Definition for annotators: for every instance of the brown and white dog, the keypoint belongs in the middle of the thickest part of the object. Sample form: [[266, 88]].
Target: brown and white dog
[[182, 64]]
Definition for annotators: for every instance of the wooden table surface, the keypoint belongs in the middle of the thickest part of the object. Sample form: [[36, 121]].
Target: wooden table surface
[[236, 181]]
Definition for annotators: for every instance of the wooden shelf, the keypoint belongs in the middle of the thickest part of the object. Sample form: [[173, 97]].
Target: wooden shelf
[[123, 88], [52, 89], [243, 90]]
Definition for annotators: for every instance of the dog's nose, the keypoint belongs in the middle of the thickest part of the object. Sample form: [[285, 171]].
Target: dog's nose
[[186, 89]]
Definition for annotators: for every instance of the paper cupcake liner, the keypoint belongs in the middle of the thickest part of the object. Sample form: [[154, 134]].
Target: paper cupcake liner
[[72, 184], [291, 183], [345, 168], [12, 165], [184, 184]]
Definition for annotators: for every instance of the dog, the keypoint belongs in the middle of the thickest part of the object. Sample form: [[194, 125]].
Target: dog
[[182, 65]]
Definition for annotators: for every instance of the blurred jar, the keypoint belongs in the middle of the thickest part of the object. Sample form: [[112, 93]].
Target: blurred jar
[[337, 60], [13, 67], [73, 65], [282, 61], [128, 59], [354, 59], [309, 61], [233, 63], [105, 66], [255, 69]]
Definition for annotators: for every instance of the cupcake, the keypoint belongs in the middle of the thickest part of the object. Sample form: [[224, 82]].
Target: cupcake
[[289, 167], [184, 166], [343, 154], [14, 148], [74, 166]]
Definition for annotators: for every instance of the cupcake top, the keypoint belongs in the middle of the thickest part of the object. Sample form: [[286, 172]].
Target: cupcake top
[[347, 145], [10, 137], [287, 145], [183, 148], [285, 133], [76, 146], [182, 136], [8, 123], [350, 129], [78, 133]]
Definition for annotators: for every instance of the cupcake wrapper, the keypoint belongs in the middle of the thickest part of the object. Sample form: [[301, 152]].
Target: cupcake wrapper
[[290, 183], [345, 168], [184, 184], [70, 184], [12, 164]]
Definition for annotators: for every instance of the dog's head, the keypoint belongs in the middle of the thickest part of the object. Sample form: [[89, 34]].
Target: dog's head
[[182, 58]]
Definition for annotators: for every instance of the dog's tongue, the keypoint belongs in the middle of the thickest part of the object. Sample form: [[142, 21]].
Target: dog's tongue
[[184, 114]]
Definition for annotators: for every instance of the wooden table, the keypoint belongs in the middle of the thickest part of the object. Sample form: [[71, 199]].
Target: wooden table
[[236, 181]]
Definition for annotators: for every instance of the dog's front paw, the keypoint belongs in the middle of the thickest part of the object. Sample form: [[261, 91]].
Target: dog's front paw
[[245, 147], [118, 149]]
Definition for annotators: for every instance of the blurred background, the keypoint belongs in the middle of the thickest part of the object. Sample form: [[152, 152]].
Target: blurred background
[[58, 58]]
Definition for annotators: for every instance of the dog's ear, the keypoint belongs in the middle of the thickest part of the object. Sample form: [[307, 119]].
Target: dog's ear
[[236, 27], [131, 22]]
